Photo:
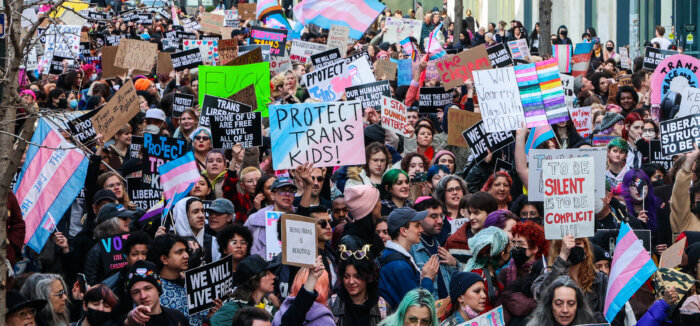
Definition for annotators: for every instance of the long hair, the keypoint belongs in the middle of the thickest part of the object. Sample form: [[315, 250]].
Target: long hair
[[543, 315], [374, 148], [108, 228], [415, 298], [367, 270], [38, 287], [102, 179], [246, 289], [631, 118], [586, 273], [651, 202], [322, 285], [260, 188], [492, 179]]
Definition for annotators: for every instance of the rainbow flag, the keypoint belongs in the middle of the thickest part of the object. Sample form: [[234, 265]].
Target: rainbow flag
[[552, 91], [356, 14], [434, 48], [530, 95], [51, 178], [408, 48], [631, 268], [177, 178], [537, 136]]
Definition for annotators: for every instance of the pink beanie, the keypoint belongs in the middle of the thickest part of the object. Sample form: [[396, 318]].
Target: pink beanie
[[441, 153], [361, 200]]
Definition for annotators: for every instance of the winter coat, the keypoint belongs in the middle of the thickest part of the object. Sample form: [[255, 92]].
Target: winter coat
[[303, 310]]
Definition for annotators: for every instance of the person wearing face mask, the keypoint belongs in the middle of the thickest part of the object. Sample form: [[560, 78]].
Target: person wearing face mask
[[98, 303], [562, 35], [467, 296], [57, 99], [71, 101], [638, 194], [609, 52], [491, 253], [155, 122], [610, 212]]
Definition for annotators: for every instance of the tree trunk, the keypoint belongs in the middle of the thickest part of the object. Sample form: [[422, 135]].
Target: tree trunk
[[459, 8], [545, 27]]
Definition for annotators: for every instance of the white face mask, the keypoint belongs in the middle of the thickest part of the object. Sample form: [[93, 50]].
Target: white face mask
[[599, 205], [648, 135], [152, 129]]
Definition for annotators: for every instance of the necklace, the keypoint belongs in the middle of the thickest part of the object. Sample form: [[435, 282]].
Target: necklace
[[426, 242]]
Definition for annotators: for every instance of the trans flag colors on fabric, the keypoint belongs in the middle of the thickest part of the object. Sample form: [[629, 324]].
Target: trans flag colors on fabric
[[537, 136], [356, 14], [530, 96], [50, 181], [552, 91], [177, 178], [434, 47], [563, 54], [631, 268], [272, 14]]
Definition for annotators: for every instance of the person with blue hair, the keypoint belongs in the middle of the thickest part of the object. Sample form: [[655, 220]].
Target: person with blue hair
[[416, 308]]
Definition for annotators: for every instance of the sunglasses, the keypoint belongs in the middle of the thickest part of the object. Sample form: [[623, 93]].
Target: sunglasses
[[323, 223], [319, 179], [358, 254], [202, 138]]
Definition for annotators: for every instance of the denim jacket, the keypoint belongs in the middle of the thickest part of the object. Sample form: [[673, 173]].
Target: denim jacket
[[421, 256]]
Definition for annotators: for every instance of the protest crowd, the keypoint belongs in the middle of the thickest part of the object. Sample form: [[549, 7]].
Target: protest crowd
[[343, 163]]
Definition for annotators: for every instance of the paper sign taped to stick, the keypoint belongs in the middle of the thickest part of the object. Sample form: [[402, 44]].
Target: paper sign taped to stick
[[394, 116], [458, 121], [113, 252], [223, 81], [499, 99], [206, 283], [537, 158], [123, 106], [493, 317], [480, 142], [569, 197], [273, 245], [369, 94], [679, 135], [136, 54], [298, 240], [325, 134], [455, 70]]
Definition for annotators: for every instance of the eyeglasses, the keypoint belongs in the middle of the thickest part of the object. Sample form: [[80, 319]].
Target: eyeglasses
[[113, 185], [518, 244], [202, 138], [649, 130], [238, 243], [358, 254], [323, 223], [454, 189], [61, 293]]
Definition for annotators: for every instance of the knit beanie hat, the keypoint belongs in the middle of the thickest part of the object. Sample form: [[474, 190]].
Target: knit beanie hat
[[441, 153], [143, 270], [142, 84], [361, 200], [610, 119], [460, 282]]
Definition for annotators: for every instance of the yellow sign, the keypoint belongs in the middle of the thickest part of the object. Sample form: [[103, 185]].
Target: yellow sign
[[75, 5]]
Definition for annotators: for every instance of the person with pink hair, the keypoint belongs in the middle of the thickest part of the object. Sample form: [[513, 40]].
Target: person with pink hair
[[307, 303]]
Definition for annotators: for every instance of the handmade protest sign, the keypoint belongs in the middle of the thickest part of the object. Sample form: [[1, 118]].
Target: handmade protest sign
[[136, 54], [456, 69], [273, 246], [385, 69], [625, 61], [499, 56], [301, 51], [338, 38], [191, 24], [538, 157], [563, 54], [673, 74], [247, 11], [211, 23], [493, 317], [530, 95], [228, 50], [433, 98], [81, 127], [360, 71], [679, 135], [246, 58], [398, 29], [159, 150], [181, 102], [235, 128], [567, 84], [569, 197], [499, 99], [208, 48], [519, 49], [480, 141], [673, 255], [328, 83], [144, 18], [655, 155], [223, 81], [206, 283], [690, 102], [123, 106], [231, 18], [298, 240], [369, 94], [246, 96], [142, 195], [56, 66], [581, 58], [279, 65], [325, 134], [213, 106], [654, 56], [552, 91], [62, 41], [581, 117], [404, 72], [458, 121], [135, 147], [624, 80], [275, 38], [326, 58], [165, 64], [357, 55], [187, 59], [113, 252], [394, 116]]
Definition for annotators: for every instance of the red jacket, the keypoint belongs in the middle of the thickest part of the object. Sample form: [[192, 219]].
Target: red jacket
[[15, 229], [241, 202]]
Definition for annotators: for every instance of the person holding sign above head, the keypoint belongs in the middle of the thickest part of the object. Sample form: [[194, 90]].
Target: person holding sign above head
[[145, 287], [682, 217], [563, 303], [307, 303], [638, 193], [283, 191], [467, 296]]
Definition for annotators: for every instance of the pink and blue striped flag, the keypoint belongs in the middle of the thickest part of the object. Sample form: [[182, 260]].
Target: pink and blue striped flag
[[356, 14], [434, 48], [537, 136], [272, 15], [631, 268], [50, 181], [177, 178]]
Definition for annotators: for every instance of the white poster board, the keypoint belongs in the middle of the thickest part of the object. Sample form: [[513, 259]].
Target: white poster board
[[298, 240], [537, 157], [690, 102], [569, 202], [499, 99], [398, 29], [273, 245]]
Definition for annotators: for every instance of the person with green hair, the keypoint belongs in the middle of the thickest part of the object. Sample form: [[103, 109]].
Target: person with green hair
[[395, 190], [617, 161], [416, 308], [490, 252]]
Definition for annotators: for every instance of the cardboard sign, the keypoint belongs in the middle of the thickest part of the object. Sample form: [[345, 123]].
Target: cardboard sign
[[404, 72], [165, 65], [225, 81], [181, 102], [567, 84], [569, 198], [369, 94], [217, 106], [581, 59], [499, 99], [654, 56], [298, 241], [325, 134], [301, 51], [328, 83], [480, 142], [228, 50], [673, 255], [563, 54], [385, 69], [582, 119], [250, 57], [538, 157], [655, 155], [338, 38], [519, 49], [674, 74], [136, 54], [458, 121], [210, 23], [186, 59], [247, 11], [275, 38], [123, 106], [264, 50], [209, 50], [326, 58], [206, 283], [81, 127], [109, 69], [499, 56], [231, 18], [690, 103], [234, 128], [433, 98], [457, 69], [113, 252], [398, 29], [624, 80], [142, 195], [273, 245], [493, 317], [679, 135], [246, 96], [394, 116]]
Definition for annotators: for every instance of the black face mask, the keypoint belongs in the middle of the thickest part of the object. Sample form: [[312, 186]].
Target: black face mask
[[609, 48], [96, 317], [519, 255], [658, 183], [576, 255], [564, 33], [696, 209], [62, 103]]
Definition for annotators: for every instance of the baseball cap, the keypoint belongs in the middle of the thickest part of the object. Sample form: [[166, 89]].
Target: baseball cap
[[221, 206], [283, 182], [155, 114], [113, 210], [250, 266], [103, 194], [400, 216]]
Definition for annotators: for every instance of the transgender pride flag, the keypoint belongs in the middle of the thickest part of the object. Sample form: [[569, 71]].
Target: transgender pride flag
[[631, 268], [50, 181], [177, 178], [356, 14]]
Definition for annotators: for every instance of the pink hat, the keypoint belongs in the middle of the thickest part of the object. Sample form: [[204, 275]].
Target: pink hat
[[28, 92], [441, 153], [361, 200]]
